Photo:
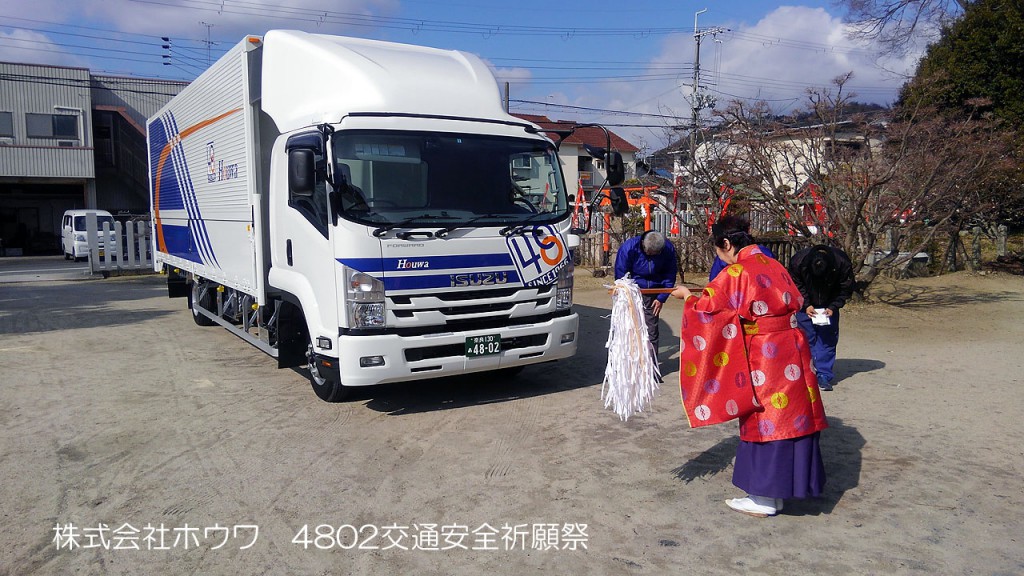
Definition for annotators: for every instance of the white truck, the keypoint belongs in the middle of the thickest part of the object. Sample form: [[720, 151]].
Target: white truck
[[364, 208]]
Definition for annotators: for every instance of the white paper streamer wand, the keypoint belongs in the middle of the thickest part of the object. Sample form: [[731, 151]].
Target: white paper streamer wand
[[631, 376]]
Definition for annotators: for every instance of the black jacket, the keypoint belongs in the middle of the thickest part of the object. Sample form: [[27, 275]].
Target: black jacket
[[824, 276]]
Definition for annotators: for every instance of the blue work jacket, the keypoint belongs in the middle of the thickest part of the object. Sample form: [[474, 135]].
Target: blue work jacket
[[657, 271]]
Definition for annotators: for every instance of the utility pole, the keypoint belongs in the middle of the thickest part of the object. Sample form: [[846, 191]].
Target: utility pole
[[697, 101], [208, 42]]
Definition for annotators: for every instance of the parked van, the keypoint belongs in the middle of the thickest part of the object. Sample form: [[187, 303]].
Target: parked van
[[73, 239]]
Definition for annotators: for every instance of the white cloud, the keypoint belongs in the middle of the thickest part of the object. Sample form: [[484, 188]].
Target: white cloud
[[32, 47], [124, 35], [795, 48], [230, 21], [777, 59], [512, 74]]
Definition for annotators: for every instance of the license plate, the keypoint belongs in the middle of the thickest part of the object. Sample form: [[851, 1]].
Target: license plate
[[101, 253], [485, 345]]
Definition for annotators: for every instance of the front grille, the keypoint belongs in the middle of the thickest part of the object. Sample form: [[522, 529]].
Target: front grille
[[462, 309], [454, 311], [494, 323]]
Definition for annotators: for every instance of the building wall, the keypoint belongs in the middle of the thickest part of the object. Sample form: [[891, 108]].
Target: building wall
[[570, 155], [97, 166], [46, 91], [140, 98]]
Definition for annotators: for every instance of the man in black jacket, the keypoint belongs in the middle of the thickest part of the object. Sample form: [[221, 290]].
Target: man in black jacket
[[825, 278]]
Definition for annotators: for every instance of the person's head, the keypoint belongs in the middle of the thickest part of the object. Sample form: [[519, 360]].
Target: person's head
[[729, 235], [821, 262], [652, 242]]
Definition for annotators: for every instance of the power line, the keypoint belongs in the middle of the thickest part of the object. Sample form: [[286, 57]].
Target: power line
[[81, 83], [604, 110], [79, 46], [319, 17]]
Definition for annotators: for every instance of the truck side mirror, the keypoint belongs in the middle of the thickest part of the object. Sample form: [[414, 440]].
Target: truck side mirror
[[301, 171], [616, 169], [617, 197]]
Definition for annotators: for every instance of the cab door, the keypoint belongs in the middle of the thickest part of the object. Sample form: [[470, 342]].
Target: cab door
[[302, 255]]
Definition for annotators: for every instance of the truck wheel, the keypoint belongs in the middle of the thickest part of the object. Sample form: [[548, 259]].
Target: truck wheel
[[202, 295], [324, 388]]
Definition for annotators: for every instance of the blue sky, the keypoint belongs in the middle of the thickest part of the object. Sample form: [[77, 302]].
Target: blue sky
[[626, 64]]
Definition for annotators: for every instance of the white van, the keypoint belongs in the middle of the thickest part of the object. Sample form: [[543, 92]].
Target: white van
[[73, 239]]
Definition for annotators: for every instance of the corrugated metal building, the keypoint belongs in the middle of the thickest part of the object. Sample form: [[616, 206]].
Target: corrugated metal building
[[70, 139]]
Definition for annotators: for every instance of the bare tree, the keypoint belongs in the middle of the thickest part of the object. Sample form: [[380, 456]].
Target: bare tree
[[894, 23], [882, 189]]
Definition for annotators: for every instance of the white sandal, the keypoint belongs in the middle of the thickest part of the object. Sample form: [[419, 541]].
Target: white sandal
[[757, 506]]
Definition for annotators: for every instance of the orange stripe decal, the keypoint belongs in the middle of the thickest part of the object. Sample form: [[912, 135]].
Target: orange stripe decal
[[164, 153]]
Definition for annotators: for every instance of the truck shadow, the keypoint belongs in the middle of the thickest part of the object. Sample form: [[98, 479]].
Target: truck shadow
[[584, 369], [841, 447]]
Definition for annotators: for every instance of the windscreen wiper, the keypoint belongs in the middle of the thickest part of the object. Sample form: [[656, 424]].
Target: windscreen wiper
[[523, 226], [384, 229], [441, 233]]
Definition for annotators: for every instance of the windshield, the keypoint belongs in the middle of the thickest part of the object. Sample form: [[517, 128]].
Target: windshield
[[428, 179], [100, 219]]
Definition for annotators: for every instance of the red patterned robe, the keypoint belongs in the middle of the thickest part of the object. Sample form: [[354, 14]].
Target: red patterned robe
[[742, 355]]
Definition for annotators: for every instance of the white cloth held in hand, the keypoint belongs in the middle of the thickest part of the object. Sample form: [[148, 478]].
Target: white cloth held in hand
[[631, 376], [819, 318]]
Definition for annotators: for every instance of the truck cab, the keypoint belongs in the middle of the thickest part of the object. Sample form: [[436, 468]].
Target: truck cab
[[449, 250], [366, 209]]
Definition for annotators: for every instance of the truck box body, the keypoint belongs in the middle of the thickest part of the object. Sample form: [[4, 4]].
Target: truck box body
[[375, 195], [204, 187]]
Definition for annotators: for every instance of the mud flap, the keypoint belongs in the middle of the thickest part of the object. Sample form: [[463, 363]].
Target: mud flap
[[292, 337]]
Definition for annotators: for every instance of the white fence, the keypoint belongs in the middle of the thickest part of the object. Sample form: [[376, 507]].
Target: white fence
[[123, 248]]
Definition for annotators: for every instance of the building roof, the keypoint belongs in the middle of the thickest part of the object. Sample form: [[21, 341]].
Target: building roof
[[589, 135]]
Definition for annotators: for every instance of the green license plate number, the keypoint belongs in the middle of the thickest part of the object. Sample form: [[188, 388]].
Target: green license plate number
[[485, 345]]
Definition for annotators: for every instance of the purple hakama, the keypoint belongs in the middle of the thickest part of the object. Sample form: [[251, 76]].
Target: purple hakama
[[790, 468]]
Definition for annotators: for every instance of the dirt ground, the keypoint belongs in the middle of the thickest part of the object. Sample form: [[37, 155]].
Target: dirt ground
[[123, 424]]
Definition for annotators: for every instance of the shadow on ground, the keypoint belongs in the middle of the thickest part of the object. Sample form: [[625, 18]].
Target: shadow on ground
[[846, 367], [584, 369], [926, 297], [35, 307], [841, 447]]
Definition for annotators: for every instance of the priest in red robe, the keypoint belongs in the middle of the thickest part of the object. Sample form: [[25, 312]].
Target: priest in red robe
[[743, 356]]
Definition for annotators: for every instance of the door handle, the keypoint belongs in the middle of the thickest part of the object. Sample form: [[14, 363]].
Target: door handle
[[288, 250]]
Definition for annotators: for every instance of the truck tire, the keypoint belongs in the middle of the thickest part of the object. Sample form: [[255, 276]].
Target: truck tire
[[204, 296], [325, 389]]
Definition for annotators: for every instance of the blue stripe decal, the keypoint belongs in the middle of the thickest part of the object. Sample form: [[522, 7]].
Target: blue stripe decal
[[378, 266], [180, 193], [196, 222], [511, 278], [177, 240]]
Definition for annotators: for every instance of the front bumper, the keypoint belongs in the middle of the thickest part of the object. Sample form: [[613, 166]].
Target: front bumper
[[431, 356], [81, 249]]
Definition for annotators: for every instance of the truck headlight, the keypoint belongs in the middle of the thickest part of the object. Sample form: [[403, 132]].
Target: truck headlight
[[365, 300], [79, 237], [366, 315], [563, 297]]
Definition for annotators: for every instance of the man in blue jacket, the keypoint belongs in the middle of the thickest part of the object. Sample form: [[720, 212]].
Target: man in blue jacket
[[650, 261]]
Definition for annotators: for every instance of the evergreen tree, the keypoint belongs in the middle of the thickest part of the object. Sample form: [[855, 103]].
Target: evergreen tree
[[977, 65]]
